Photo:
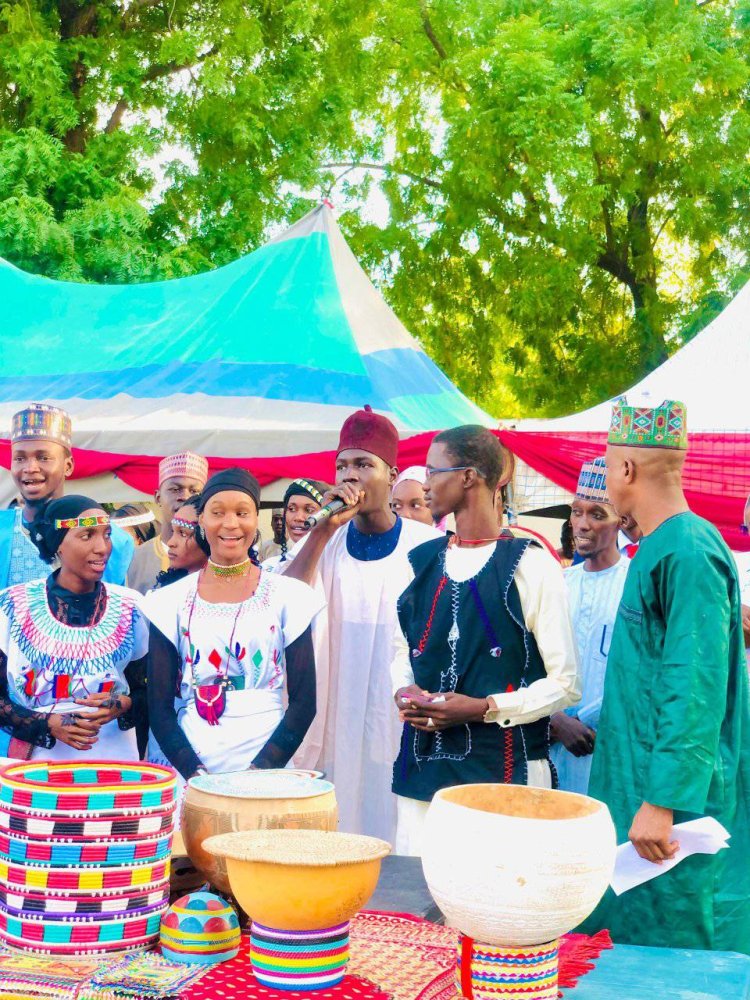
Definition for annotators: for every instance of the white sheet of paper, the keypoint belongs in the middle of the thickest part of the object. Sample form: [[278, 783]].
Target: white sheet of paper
[[697, 836]]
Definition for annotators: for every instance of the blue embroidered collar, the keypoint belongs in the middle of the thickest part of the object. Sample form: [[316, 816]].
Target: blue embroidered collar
[[368, 548]]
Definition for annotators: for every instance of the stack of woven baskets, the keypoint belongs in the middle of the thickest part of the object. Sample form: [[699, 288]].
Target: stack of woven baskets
[[84, 855]]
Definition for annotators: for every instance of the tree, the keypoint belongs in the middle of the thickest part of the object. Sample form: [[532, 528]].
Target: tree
[[566, 180], [237, 101], [568, 186]]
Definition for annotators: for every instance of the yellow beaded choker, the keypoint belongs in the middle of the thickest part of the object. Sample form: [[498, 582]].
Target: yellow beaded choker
[[237, 569]]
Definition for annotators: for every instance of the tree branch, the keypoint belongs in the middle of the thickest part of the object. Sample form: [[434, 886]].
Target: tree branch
[[386, 168], [115, 119], [160, 70], [430, 32]]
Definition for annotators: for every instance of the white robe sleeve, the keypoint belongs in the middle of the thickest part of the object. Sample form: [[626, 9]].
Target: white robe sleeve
[[300, 606], [544, 602]]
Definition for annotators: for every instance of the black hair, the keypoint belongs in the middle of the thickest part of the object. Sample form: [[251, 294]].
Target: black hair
[[300, 488], [198, 532], [167, 576], [143, 532], [566, 540], [476, 446]]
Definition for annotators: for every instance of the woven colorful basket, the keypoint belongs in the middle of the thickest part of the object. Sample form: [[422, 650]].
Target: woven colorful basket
[[38, 932], [18, 850], [101, 788], [299, 960], [80, 827], [85, 855], [29, 903], [494, 972], [84, 880]]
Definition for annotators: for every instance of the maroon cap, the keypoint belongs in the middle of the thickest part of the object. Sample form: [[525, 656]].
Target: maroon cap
[[368, 431]]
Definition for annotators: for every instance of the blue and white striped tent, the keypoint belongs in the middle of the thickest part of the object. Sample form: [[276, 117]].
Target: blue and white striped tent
[[263, 357]]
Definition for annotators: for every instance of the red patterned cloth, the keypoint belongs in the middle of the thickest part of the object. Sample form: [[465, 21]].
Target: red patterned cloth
[[393, 957]]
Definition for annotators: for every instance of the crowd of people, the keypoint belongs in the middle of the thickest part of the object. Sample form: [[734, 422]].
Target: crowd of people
[[395, 655]]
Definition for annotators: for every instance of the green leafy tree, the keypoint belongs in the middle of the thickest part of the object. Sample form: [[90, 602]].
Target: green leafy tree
[[150, 138], [568, 185], [566, 180]]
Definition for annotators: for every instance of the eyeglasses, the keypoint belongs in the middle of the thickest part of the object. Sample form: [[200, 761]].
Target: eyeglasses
[[449, 468]]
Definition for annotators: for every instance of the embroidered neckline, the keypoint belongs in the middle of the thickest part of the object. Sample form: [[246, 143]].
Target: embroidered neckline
[[49, 644], [369, 548]]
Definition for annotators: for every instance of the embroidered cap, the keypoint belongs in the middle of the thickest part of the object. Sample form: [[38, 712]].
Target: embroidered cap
[[42, 422], [185, 464], [592, 481], [663, 426]]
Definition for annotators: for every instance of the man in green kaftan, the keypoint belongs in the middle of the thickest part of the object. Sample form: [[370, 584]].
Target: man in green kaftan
[[674, 736]]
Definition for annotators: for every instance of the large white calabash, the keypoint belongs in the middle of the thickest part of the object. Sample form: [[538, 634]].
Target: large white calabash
[[511, 865]]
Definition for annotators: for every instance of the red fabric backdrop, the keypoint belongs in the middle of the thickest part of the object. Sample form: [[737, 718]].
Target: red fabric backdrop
[[717, 471]]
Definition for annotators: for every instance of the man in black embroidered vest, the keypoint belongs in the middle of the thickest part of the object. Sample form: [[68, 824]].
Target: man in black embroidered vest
[[486, 651]]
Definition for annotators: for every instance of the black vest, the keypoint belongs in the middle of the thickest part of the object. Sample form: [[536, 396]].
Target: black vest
[[494, 653]]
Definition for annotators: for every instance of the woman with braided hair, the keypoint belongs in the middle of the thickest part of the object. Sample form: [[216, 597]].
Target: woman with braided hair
[[187, 548], [72, 649], [303, 497]]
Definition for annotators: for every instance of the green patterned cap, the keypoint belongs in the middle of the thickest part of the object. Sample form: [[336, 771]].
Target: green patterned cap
[[663, 426]]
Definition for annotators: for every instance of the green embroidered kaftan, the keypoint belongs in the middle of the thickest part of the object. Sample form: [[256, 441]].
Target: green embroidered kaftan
[[675, 732]]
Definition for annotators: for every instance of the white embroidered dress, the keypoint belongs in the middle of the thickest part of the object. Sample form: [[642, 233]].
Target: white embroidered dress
[[50, 663], [260, 629]]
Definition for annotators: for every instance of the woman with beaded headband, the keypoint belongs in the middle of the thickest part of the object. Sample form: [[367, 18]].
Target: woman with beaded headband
[[187, 548], [231, 637], [303, 497], [72, 660]]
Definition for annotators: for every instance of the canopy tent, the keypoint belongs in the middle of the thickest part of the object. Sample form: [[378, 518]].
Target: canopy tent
[[710, 375], [256, 363]]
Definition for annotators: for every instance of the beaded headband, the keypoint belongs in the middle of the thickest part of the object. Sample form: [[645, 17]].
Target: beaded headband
[[133, 520], [309, 488], [92, 521], [178, 522]]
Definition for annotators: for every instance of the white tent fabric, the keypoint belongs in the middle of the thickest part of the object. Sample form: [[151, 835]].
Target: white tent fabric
[[709, 375]]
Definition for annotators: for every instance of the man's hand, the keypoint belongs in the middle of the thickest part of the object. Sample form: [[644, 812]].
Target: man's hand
[[746, 624], [651, 833], [404, 695], [454, 710], [351, 496], [572, 733], [76, 731], [109, 705]]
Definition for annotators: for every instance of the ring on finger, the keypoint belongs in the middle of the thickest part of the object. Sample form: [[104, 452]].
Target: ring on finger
[[430, 722]]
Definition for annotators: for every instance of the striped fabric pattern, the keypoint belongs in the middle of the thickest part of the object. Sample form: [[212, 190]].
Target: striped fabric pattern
[[274, 349], [299, 960], [496, 972], [89, 895]]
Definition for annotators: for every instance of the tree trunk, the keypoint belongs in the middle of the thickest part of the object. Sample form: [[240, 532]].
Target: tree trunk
[[77, 20]]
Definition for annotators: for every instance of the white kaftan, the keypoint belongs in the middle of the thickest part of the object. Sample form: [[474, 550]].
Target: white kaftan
[[357, 718]]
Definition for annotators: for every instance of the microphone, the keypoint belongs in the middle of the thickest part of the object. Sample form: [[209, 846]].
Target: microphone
[[325, 512]]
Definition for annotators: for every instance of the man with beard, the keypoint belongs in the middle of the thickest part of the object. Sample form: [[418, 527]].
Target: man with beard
[[360, 559], [40, 462], [673, 741], [486, 650], [594, 590]]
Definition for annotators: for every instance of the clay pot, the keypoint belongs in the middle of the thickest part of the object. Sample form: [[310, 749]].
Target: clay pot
[[300, 880], [251, 800], [511, 865]]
